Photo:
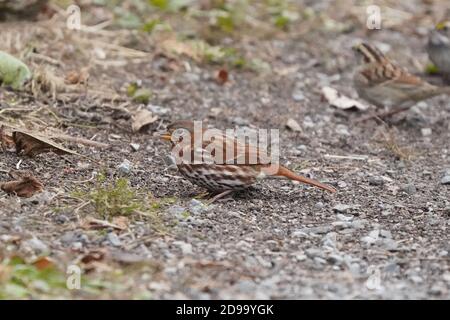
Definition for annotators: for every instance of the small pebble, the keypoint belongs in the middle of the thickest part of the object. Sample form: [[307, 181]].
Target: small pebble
[[445, 179], [124, 167], [135, 146], [409, 188], [298, 96], [376, 181], [426, 132], [114, 239], [342, 208]]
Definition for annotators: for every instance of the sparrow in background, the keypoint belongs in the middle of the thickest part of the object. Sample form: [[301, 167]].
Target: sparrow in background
[[385, 84], [438, 48], [238, 173]]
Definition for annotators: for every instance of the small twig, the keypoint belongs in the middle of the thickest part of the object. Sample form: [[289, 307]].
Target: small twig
[[45, 58], [333, 156], [80, 140]]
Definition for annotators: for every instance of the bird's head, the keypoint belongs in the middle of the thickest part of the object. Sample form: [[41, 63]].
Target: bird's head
[[367, 53], [177, 130]]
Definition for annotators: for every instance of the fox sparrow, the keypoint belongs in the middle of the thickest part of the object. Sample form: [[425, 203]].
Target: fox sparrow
[[243, 168]]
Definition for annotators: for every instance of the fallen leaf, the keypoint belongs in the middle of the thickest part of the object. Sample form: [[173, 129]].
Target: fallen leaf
[[32, 144], [121, 222], [93, 255], [95, 260], [341, 102], [222, 76], [26, 187], [44, 263], [180, 48], [77, 76], [293, 125], [141, 119], [6, 141]]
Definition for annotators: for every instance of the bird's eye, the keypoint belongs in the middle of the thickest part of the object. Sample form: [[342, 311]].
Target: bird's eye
[[180, 133]]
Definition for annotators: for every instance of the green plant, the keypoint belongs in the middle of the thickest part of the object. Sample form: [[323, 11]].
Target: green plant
[[114, 198], [21, 280]]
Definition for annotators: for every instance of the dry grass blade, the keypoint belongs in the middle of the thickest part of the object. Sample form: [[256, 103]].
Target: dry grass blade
[[31, 144], [390, 142]]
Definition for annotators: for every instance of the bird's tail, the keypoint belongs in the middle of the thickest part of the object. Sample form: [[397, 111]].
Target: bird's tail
[[284, 172]]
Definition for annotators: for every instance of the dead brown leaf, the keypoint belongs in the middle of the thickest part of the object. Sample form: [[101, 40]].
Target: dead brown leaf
[[25, 186], [32, 144], [141, 119], [77, 76], [180, 48], [44, 263], [222, 76], [94, 260], [121, 222]]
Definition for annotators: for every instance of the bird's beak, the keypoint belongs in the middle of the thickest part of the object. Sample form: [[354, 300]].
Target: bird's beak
[[165, 136]]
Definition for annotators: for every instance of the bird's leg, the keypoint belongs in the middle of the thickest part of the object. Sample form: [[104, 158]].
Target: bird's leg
[[383, 115], [218, 196], [392, 112]]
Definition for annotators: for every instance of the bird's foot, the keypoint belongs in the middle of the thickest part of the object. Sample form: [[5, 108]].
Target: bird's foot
[[380, 117], [219, 196]]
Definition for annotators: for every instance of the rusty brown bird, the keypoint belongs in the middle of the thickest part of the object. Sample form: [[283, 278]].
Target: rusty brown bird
[[247, 164]]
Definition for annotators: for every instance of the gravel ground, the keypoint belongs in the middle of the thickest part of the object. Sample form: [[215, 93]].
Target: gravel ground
[[384, 234]]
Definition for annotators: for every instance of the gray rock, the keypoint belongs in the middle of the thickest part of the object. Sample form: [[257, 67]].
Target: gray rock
[[426, 132], [343, 217], [335, 259], [124, 167], [385, 234], [416, 279], [38, 247], [342, 208], [297, 95], [176, 211], [389, 244], [342, 130], [319, 205], [376, 181], [135, 146], [437, 289], [313, 252], [197, 207], [158, 110], [445, 179], [318, 229], [114, 239], [186, 248], [409, 188]]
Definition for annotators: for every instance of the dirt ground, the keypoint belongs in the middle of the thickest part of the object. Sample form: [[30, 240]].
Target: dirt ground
[[384, 234]]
